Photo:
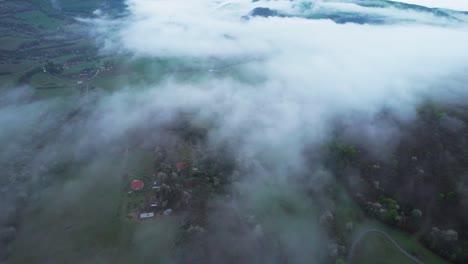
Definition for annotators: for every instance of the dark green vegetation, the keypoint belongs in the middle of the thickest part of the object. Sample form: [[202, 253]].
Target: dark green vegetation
[[348, 222], [431, 161]]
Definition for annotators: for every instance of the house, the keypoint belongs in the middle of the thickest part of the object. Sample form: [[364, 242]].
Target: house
[[146, 215], [180, 166], [137, 185]]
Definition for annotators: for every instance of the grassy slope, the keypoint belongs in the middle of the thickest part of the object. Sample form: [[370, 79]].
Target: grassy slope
[[375, 248]]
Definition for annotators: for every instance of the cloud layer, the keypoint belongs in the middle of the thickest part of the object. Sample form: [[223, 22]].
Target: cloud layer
[[279, 85], [310, 71]]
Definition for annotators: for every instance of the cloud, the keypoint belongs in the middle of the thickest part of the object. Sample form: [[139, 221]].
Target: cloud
[[208, 28], [278, 87], [311, 70]]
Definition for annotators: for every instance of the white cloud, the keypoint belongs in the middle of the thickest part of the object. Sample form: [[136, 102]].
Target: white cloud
[[314, 70]]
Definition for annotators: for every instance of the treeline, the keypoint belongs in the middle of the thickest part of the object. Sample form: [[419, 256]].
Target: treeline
[[416, 185]]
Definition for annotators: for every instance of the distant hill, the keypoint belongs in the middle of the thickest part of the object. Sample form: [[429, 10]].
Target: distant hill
[[373, 12]]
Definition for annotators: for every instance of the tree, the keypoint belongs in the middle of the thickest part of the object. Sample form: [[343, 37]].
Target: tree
[[53, 68]]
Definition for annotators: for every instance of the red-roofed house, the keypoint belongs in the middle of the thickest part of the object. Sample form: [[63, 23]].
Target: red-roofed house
[[180, 166], [137, 185]]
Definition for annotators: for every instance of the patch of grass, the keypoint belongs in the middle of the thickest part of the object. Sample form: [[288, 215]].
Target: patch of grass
[[7, 80], [11, 43], [81, 207], [110, 82], [376, 248], [406, 241], [81, 67], [39, 19], [64, 58], [48, 81]]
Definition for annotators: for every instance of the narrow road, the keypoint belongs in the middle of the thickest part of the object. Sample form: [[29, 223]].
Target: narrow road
[[383, 233]]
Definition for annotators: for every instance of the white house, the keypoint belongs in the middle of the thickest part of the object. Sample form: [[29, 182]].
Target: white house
[[146, 215]]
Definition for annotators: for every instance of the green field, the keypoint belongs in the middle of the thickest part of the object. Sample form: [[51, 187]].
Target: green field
[[13, 42], [375, 248], [85, 207], [33, 32], [39, 19]]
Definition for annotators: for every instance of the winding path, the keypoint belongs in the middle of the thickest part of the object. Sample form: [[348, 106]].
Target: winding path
[[394, 243]]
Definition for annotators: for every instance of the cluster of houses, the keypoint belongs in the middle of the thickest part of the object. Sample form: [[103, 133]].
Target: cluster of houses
[[156, 201], [88, 73]]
